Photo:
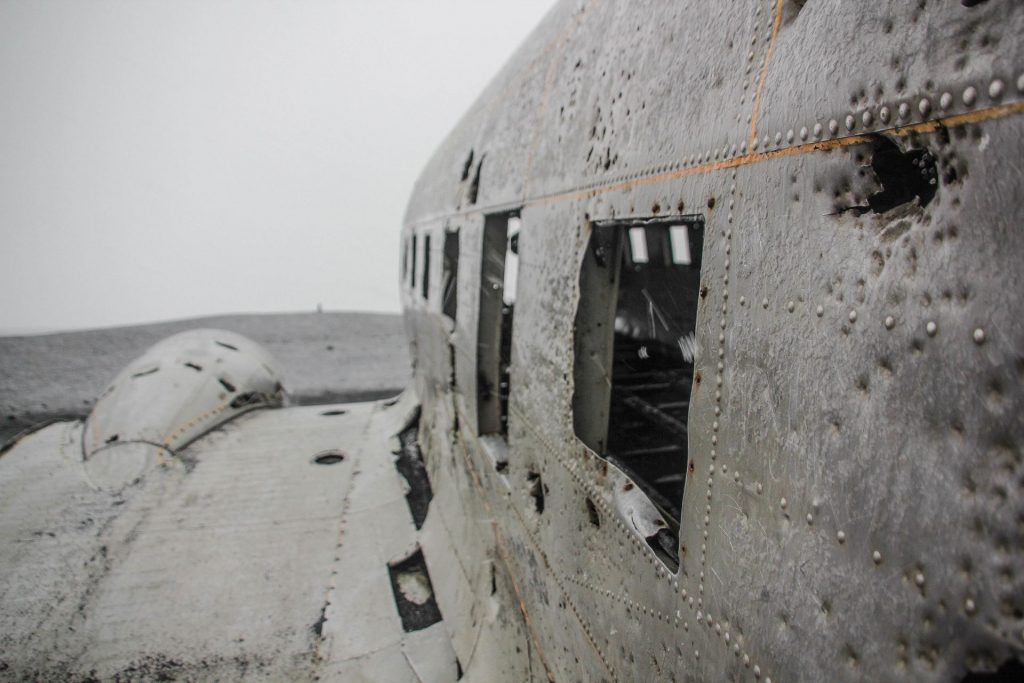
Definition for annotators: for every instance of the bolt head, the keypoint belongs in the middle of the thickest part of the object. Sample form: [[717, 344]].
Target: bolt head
[[890, 322], [970, 95], [876, 557], [995, 89], [931, 328], [853, 316], [979, 335], [904, 110], [946, 100], [924, 106]]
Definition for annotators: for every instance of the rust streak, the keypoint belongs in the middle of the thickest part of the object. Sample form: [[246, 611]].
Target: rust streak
[[549, 83], [755, 116], [726, 164]]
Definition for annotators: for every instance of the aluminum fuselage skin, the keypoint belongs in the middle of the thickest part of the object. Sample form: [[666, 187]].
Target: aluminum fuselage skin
[[853, 506]]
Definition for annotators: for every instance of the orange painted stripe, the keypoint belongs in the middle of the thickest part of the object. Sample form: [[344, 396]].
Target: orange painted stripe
[[988, 114]]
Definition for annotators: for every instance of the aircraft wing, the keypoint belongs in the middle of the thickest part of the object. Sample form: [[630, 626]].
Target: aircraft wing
[[278, 546]]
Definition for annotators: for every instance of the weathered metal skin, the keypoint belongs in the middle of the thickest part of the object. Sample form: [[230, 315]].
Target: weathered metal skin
[[178, 390], [853, 508]]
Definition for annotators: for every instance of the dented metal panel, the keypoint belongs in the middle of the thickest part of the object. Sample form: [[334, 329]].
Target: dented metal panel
[[852, 506]]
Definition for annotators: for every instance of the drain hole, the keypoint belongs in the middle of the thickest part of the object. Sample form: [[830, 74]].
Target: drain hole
[[226, 384], [195, 367], [147, 371], [112, 439], [332, 413], [328, 457], [227, 346]]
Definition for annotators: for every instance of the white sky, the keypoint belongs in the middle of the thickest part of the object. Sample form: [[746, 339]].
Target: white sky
[[171, 159]]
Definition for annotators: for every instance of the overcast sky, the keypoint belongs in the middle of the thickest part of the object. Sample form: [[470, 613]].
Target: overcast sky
[[170, 159]]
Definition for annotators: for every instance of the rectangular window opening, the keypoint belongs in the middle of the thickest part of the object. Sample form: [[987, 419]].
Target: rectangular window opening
[[635, 348], [498, 284], [412, 264], [426, 268], [450, 282]]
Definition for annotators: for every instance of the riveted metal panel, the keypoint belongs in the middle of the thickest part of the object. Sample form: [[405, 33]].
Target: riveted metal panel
[[852, 507]]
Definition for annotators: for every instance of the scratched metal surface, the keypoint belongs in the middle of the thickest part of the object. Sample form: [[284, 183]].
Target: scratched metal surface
[[854, 511]]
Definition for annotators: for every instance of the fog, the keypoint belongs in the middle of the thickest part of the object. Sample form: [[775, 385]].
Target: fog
[[161, 160]]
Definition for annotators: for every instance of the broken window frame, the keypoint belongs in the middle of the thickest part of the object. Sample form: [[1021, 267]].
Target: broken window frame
[[495, 324], [425, 290], [412, 262], [609, 251], [450, 275]]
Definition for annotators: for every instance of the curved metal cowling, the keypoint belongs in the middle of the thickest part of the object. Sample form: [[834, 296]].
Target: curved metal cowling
[[178, 390]]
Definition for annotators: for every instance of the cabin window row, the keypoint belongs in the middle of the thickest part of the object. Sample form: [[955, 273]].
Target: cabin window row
[[635, 343], [420, 286]]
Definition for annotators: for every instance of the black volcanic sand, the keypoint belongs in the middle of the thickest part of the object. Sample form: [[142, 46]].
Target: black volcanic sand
[[325, 358]]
